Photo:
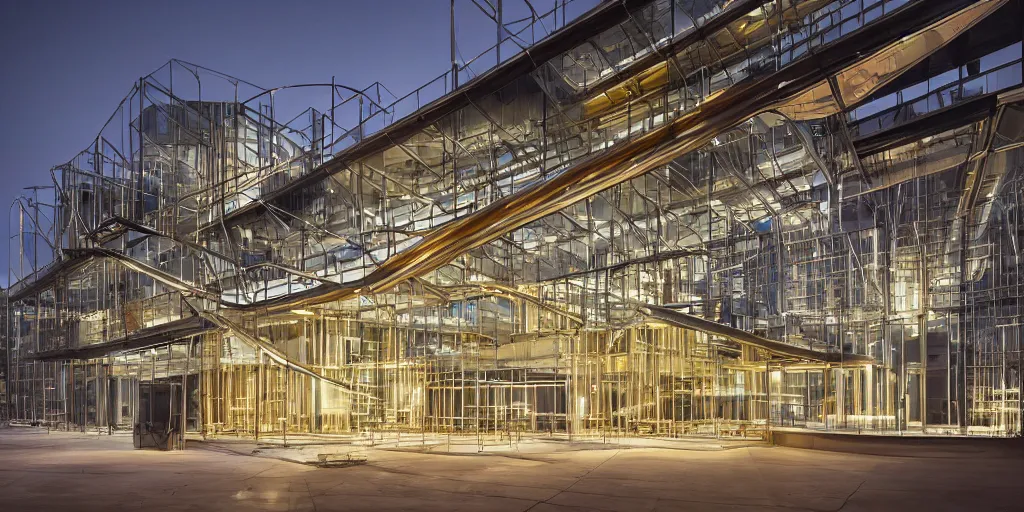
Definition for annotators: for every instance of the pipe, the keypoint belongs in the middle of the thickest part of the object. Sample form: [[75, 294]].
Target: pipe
[[792, 90]]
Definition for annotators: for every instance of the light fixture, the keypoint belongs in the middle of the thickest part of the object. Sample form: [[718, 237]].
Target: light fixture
[[304, 312]]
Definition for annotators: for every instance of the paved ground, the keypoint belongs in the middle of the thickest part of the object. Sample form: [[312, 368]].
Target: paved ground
[[60, 471]]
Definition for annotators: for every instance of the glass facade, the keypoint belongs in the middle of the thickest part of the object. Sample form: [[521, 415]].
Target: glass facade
[[665, 218]]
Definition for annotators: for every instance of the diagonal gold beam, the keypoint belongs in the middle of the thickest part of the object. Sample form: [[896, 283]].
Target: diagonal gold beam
[[789, 89]]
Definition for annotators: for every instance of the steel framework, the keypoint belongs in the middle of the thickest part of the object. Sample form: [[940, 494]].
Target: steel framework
[[651, 217]]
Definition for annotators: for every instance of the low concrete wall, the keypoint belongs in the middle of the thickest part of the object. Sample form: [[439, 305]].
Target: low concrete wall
[[901, 446]]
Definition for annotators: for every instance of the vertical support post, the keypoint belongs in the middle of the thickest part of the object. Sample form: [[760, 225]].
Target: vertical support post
[[768, 400], [826, 376], [200, 418], [7, 359], [259, 392], [455, 64], [184, 392], [497, 21], [287, 397], [138, 172], [334, 121], [708, 306]]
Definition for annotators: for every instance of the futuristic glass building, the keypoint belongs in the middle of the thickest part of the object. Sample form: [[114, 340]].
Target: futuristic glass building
[[667, 217]]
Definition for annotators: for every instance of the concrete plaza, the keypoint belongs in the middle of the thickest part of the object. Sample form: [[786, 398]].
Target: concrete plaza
[[70, 472]]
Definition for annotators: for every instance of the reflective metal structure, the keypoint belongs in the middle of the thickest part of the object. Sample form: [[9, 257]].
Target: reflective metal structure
[[648, 217]]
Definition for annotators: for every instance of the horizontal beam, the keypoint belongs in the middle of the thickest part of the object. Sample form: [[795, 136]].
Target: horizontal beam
[[961, 114], [144, 338], [773, 347]]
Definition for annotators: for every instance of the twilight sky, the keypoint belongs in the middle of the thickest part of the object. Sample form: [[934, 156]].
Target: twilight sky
[[67, 64]]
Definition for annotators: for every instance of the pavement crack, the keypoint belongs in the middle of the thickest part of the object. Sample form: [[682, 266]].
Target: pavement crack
[[578, 480], [309, 493], [847, 500]]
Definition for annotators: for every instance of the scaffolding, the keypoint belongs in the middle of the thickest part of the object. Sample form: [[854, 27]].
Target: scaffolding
[[666, 218]]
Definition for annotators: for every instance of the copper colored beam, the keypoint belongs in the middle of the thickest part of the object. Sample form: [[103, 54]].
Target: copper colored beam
[[785, 90]]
